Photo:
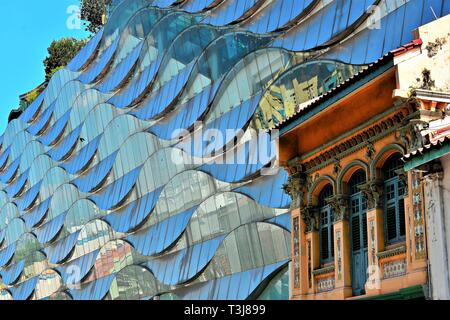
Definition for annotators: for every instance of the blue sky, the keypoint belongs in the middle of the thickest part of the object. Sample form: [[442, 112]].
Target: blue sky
[[29, 26]]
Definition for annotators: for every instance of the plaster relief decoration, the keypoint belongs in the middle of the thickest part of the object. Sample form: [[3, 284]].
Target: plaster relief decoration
[[296, 185], [373, 281], [394, 268], [310, 216], [325, 284], [372, 242], [339, 254], [296, 252], [355, 143], [370, 153], [410, 134], [419, 227], [309, 265], [339, 204], [393, 262], [373, 193], [337, 167]]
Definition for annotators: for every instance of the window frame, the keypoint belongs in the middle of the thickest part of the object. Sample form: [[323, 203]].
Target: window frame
[[326, 214], [393, 203]]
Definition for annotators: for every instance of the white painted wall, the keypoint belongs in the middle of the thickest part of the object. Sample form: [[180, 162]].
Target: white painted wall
[[445, 161], [437, 215]]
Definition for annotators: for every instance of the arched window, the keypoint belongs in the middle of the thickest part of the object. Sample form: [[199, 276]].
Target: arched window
[[358, 232], [394, 204], [326, 234]]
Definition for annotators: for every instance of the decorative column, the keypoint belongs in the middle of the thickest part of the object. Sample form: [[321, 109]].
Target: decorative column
[[373, 193], [342, 258], [310, 217], [416, 253], [296, 188], [417, 194]]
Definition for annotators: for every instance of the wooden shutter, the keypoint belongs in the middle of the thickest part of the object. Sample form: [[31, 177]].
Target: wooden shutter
[[364, 227], [391, 223], [401, 217], [356, 233], [324, 243]]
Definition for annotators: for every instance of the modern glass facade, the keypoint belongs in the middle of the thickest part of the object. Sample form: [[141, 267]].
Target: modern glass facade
[[100, 200]]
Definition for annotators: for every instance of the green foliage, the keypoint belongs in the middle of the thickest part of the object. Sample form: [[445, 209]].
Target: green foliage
[[60, 53], [33, 95], [28, 99], [55, 70], [92, 11]]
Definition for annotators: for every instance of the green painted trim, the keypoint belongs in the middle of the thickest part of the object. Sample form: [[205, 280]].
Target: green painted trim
[[428, 156], [414, 292], [392, 252], [325, 270], [340, 95]]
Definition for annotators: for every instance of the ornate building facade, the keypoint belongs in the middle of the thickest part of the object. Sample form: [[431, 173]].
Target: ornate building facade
[[429, 164], [112, 187], [359, 228]]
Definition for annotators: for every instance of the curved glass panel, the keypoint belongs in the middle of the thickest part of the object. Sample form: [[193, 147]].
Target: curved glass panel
[[368, 44], [95, 290], [238, 286], [48, 283], [7, 213], [37, 215], [156, 239], [133, 283], [119, 19], [258, 190], [79, 214], [199, 5], [299, 85], [27, 245], [277, 14], [32, 150], [231, 11], [5, 295], [83, 57], [12, 273], [14, 230], [59, 251], [134, 214], [93, 236], [99, 66], [24, 290], [278, 287], [326, 25], [33, 109], [74, 272], [113, 257]]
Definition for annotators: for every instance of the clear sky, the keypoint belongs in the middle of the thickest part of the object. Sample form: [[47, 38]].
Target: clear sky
[[28, 28]]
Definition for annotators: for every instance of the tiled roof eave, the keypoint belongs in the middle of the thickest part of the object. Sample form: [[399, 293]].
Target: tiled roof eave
[[385, 59], [384, 63]]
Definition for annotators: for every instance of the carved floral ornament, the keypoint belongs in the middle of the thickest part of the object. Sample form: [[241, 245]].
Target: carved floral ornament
[[411, 136], [310, 216], [296, 187], [373, 193], [339, 204], [298, 183], [370, 153]]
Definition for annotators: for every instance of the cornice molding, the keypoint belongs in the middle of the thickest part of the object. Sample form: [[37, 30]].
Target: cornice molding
[[364, 139]]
